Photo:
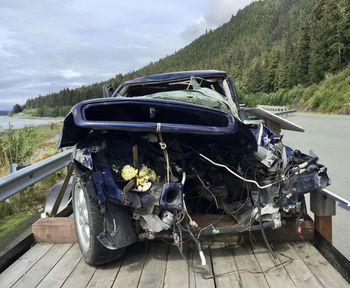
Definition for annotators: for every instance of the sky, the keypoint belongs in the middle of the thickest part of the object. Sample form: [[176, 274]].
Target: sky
[[48, 45]]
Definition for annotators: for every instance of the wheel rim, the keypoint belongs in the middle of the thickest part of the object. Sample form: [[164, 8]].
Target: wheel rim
[[81, 216]]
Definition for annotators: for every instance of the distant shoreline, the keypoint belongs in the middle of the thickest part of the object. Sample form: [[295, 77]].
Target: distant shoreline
[[18, 122], [27, 116]]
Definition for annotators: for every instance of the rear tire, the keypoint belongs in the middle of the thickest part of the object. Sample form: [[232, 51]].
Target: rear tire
[[89, 223]]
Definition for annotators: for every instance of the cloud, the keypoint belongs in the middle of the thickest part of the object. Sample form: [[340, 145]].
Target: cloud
[[69, 73], [195, 29], [48, 45], [216, 13]]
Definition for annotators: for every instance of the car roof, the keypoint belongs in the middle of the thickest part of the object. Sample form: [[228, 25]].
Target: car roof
[[177, 75], [165, 77]]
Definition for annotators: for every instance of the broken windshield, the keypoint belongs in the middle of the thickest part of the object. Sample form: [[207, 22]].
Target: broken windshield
[[192, 92]]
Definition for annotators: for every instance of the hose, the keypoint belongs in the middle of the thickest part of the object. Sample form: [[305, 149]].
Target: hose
[[199, 246]]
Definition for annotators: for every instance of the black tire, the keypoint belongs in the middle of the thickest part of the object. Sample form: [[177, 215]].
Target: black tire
[[94, 252]]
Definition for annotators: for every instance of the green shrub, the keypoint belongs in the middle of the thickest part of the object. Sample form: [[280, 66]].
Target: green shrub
[[332, 95], [16, 146]]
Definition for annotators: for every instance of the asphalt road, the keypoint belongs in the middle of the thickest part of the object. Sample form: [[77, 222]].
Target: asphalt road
[[329, 137]]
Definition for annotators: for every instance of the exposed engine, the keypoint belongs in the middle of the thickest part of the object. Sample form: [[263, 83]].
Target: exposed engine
[[166, 179]]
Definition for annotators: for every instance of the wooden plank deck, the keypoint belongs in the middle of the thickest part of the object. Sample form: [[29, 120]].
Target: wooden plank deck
[[156, 264]]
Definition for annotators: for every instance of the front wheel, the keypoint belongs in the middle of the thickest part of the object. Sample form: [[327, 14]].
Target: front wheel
[[89, 223]]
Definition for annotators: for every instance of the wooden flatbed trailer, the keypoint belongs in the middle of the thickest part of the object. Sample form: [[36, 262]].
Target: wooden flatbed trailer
[[232, 261], [157, 264], [305, 258]]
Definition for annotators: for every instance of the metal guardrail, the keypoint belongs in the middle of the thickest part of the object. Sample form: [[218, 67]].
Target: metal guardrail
[[21, 179], [342, 202], [274, 108], [290, 111], [278, 110]]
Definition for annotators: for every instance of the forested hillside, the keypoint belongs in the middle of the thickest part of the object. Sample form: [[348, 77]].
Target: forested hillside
[[274, 49]]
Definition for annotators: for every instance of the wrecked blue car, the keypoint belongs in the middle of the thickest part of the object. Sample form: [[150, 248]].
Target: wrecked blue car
[[164, 149]]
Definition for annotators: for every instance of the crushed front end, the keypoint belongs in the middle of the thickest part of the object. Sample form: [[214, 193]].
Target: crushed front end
[[168, 163]]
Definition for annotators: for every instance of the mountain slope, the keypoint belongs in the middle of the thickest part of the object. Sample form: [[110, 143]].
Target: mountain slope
[[331, 95], [268, 46]]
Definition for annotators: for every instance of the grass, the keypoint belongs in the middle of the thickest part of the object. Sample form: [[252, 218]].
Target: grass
[[45, 132], [43, 142], [27, 145], [10, 223]]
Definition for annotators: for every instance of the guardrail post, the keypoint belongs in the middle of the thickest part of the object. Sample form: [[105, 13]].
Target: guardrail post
[[323, 208], [13, 167]]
